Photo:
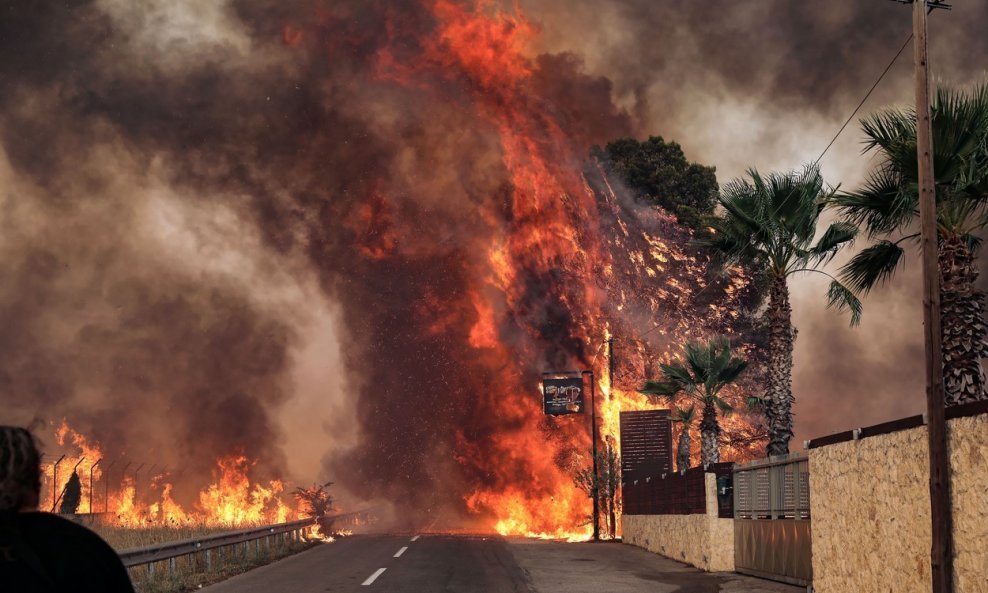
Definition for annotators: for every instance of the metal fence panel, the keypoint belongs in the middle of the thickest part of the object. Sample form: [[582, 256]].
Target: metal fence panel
[[776, 488], [779, 550], [771, 519]]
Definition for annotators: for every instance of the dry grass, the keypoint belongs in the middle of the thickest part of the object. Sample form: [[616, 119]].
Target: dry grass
[[124, 538]]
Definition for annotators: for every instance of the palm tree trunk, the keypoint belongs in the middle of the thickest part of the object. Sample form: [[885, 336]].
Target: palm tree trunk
[[710, 434], [779, 376], [962, 312], [683, 454]]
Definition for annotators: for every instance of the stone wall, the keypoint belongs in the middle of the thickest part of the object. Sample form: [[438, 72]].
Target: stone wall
[[870, 507], [704, 541]]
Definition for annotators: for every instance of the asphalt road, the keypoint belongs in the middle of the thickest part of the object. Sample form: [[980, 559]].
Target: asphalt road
[[464, 564]]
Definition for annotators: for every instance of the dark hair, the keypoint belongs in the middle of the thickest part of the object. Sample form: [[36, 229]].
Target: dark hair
[[20, 469]]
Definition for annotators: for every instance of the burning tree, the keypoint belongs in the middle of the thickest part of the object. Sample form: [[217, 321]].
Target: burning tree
[[603, 486], [317, 502]]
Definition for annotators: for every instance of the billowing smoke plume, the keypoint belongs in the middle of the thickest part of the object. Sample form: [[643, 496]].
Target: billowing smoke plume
[[196, 193], [189, 185]]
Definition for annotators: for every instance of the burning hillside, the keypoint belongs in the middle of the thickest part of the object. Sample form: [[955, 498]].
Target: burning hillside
[[424, 164]]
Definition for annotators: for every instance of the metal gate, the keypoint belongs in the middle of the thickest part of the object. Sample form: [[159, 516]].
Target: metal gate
[[772, 519]]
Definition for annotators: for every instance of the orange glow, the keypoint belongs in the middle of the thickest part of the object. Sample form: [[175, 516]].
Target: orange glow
[[529, 486], [232, 499]]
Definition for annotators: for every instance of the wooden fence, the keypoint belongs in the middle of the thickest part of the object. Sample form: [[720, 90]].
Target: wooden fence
[[678, 493]]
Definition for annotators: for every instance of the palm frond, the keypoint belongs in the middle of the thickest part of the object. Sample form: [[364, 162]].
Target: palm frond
[[890, 130], [732, 371], [872, 266], [841, 298], [770, 219], [883, 205], [698, 359], [836, 236], [724, 407], [685, 415], [757, 404], [974, 242], [661, 388]]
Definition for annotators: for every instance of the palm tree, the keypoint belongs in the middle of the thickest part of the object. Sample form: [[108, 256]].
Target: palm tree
[[887, 208], [768, 225], [707, 369], [684, 416]]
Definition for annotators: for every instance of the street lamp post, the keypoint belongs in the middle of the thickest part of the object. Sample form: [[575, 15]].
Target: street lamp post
[[596, 476]]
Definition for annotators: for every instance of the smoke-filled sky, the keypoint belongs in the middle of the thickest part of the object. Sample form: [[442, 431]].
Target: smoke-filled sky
[[202, 202]]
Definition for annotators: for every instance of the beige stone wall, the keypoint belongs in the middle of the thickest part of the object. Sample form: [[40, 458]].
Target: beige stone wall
[[969, 500], [704, 541], [870, 506]]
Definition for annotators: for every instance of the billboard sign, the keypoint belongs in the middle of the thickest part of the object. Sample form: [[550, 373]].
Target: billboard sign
[[562, 396], [646, 444]]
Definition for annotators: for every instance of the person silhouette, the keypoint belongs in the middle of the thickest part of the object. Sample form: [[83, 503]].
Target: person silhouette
[[42, 552]]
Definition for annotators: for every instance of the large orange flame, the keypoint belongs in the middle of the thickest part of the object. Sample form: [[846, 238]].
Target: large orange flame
[[486, 49], [232, 499]]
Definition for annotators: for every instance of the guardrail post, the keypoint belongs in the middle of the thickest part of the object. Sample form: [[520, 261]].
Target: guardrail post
[[257, 548], [171, 564], [150, 570], [209, 560]]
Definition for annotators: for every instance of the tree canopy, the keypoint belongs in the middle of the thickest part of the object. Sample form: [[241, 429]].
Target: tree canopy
[[659, 173]]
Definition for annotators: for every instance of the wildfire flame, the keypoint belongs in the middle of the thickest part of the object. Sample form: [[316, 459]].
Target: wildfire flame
[[231, 500], [618, 283]]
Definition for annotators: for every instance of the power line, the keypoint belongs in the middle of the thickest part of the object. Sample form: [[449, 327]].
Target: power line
[[868, 94]]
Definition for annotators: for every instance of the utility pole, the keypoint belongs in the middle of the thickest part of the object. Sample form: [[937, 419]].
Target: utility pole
[[941, 551]]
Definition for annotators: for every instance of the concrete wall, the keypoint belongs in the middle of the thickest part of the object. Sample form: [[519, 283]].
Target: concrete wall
[[870, 506], [704, 541]]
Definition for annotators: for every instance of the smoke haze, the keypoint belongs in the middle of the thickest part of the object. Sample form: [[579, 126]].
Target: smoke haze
[[243, 218]]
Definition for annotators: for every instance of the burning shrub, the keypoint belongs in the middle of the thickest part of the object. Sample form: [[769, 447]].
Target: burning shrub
[[317, 502]]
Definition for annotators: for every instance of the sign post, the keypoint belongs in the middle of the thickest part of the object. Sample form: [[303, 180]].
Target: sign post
[[562, 393]]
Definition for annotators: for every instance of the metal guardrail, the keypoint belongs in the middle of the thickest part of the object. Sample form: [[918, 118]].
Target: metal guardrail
[[169, 551]]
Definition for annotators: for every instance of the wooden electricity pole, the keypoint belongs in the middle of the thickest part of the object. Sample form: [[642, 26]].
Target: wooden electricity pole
[[941, 551]]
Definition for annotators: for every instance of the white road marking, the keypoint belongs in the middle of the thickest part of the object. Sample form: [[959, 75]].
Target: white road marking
[[400, 552], [416, 538], [373, 577]]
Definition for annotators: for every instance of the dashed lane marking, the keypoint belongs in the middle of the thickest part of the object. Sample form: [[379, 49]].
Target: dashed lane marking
[[400, 552], [416, 538], [370, 580]]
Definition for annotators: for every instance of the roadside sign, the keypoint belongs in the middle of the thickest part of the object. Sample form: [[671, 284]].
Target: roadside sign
[[562, 395]]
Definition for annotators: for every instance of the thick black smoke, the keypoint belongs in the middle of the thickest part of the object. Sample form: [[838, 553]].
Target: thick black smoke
[[132, 312]]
